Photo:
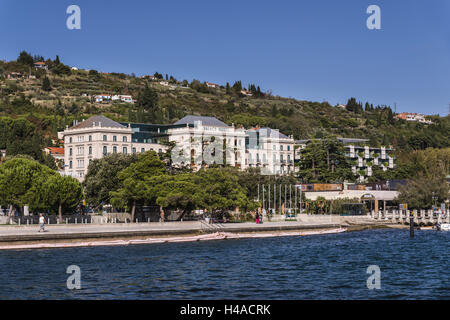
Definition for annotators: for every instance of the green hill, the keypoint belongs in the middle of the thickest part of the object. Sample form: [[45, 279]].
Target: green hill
[[28, 108]]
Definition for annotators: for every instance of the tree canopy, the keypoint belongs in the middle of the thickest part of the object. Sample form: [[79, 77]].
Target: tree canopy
[[19, 178], [325, 161], [102, 177]]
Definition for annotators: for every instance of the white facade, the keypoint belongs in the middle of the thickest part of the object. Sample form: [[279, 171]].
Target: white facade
[[123, 98], [205, 144], [270, 150], [95, 138]]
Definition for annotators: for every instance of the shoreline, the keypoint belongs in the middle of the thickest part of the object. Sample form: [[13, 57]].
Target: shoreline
[[159, 240], [86, 236]]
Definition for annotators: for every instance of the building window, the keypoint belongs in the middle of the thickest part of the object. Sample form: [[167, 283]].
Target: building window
[[160, 150], [90, 161], [124, 139], [90, 150], [134, 150], [289, 148], [124, 149], [70, 152], [80, 163], [105, 150], [114, 138], [70, 165], [114, 149], [90, 138], [70, 140], [281, 148], [142, 150], [104, 138]]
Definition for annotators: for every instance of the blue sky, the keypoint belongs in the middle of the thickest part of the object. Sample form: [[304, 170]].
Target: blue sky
[[313, 50]]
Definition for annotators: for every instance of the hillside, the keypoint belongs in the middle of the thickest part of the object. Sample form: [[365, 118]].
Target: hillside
[[45, 110]]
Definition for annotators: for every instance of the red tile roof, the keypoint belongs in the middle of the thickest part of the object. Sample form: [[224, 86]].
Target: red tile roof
[[54, 150]]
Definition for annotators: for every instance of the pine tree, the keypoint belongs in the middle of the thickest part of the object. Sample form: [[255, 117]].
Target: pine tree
[[46, 86], [227, 89]]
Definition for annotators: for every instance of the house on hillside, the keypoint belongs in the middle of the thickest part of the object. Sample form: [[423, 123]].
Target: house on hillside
[[415, 117], [164, 83], [212, 85], [246, 93], [123, 98], [149, 77], [40, 65], [102, 97]]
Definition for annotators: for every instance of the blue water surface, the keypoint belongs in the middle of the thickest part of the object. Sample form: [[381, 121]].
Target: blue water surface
[[313, 267]]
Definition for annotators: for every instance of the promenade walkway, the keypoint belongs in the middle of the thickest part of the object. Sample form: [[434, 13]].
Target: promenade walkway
[[85, 231]]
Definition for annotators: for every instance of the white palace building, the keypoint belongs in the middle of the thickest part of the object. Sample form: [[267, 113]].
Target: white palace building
[[199, 141]]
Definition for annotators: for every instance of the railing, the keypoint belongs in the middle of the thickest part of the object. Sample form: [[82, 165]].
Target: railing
[[423, 217]]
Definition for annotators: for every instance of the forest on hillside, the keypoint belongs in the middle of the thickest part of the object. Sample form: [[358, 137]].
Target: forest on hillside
[[38, 103]]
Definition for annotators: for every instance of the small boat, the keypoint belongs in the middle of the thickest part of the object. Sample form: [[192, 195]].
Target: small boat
[[442, 226]]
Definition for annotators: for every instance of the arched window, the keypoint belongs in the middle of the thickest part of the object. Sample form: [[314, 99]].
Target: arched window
[[104, 137], [124, 139], [114, 149], [90, 150], [105, 150]]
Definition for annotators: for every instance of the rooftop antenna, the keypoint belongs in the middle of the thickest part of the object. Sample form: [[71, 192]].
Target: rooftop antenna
[[395, 107]]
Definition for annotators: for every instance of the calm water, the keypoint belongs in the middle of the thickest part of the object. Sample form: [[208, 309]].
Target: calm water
[[315, 267]]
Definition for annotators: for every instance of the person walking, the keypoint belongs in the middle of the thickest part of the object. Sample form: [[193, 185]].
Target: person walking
[[41, 223]]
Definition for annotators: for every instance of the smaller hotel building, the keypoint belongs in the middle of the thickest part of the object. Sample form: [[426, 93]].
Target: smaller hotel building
[[269, 150], [96, 137]]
